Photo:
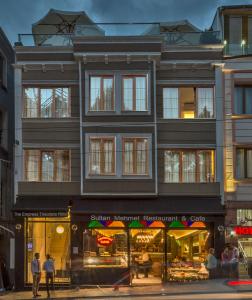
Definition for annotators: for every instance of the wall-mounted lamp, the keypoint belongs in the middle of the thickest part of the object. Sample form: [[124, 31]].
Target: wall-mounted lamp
[[74, 227], [60, 229], [225, 42], [18, 227], [243, 43]]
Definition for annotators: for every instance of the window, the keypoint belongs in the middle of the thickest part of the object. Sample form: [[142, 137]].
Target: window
[[102, 156], [243, 100], [101, 93], [189, 166], [188, 103], [105, 248], [48, 235], [243, 163], [135, 93], [47, 102], [47, 165], [135, 156], [3, 70]]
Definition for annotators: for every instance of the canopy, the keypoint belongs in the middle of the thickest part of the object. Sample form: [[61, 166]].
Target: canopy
[[56, 27]]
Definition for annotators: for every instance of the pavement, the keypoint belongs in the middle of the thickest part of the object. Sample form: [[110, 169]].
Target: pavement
[[217, 286]]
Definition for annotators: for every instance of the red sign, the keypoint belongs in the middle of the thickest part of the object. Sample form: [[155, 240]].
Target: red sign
[[243, 230], [104, 241]]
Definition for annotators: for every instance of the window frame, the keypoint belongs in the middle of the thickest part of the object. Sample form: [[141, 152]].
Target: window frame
[[55, 164], [53, 88], [102, 160], [133, 77], [135, 139], [102, 77], [243, 86], [245, 178], [197, 167], [196, 102]]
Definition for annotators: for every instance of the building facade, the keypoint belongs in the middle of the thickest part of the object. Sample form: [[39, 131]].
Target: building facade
[[6, 156], [124, 144]]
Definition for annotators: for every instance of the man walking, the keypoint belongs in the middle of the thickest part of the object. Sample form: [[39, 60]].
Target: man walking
[[48, 267], [36, 273]]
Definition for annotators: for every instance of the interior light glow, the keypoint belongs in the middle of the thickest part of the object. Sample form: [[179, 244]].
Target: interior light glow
[[60, 229]]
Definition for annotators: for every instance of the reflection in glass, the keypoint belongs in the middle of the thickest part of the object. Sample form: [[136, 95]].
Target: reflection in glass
[[205, 103], [170, 103], [189, 167], [31, 96], [171, 166], [105, 248], [46, 103]]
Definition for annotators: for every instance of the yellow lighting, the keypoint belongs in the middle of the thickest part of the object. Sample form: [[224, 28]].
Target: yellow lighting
[[188, 115], [60, 229]]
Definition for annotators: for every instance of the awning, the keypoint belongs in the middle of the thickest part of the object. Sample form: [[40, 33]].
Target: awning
[[162, 205]]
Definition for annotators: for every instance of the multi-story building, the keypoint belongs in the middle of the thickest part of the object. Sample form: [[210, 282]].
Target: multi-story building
[[120, 139], [235, 85], [6, 157]]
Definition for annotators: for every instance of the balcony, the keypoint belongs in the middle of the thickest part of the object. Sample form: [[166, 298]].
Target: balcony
[[120, 29], [237, 49]]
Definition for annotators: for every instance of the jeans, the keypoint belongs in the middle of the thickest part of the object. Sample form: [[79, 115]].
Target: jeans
[[49, 278]]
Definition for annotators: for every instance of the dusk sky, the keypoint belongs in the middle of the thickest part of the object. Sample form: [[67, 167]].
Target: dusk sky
[[17, 16]]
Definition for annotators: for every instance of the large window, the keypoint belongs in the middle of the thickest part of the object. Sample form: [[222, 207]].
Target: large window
[[188, 103], [243, 100], [105, 248], [102, 156], [47, 165], [48, 236], [135, 156], [188, 166], [243, 163], [101, 93], [47, 102], [135, 93]]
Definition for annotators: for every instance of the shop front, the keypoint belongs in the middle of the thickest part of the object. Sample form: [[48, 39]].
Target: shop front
[[141, 249]]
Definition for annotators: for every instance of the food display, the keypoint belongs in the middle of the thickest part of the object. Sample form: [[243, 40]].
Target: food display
[[187, 271]]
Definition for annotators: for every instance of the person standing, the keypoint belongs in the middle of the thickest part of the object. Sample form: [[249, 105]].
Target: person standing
[[225, 262], [36, 274], [49, 268], [211, 263], [234, 261]]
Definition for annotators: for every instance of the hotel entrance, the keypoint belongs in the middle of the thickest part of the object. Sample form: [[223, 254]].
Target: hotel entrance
[[147, 255]]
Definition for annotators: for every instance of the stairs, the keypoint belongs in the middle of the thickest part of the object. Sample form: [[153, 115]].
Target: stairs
[[243, 271]]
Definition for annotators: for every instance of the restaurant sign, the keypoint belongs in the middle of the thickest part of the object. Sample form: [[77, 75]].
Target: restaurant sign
[[40, 214], [152, 218], [243, 230]]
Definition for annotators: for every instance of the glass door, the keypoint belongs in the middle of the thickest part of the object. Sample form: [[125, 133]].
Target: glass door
[[147, 255]]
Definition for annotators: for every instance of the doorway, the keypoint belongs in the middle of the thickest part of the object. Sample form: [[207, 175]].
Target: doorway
[[147, 255]]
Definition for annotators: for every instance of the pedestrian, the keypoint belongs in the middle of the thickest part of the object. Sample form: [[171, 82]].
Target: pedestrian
[[211, 263], [49, 268], [234, 261], [36, 274], [225, 262]]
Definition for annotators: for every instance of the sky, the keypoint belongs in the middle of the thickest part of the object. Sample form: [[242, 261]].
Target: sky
[[17, 16]]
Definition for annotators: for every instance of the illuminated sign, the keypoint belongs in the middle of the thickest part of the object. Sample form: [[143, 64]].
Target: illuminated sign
[[243, 230], [104, 241]]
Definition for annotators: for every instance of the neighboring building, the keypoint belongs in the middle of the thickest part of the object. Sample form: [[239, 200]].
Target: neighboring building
[[6, 153], [235, 78], [123, 143]]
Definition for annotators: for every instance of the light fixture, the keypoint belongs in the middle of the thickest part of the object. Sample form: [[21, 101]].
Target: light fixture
[[232, 233], [60, 229], [75, 228], [18, 227], [225, 42]]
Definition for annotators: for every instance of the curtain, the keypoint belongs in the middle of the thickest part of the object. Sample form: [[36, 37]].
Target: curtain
[[108, 157], [32, 165], [47, 166], [128, 157], [240, 170], [95, 93], [95, 157], [61, 102], [141, 156], [108, 94], [62, 162], [189, 167], [171, 166], [128, 94], [141, 100], [170, 103], [205, 166], [205, 103]]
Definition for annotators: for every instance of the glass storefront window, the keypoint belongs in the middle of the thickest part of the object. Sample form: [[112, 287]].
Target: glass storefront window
[[186, 253], [48, 236], [105, 248]]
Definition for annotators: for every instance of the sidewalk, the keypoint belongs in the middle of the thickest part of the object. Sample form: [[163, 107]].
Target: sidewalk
[[202, 287]]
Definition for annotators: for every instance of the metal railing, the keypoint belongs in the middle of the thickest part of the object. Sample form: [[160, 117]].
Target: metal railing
[[237, 49], [121, 29], [244, 260]]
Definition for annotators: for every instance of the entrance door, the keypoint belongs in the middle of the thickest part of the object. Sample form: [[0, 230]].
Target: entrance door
[[147, 255]]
